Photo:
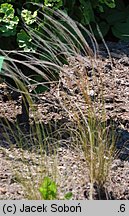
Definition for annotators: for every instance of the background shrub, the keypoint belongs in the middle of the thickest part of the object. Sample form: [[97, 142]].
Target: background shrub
[[111, 16]]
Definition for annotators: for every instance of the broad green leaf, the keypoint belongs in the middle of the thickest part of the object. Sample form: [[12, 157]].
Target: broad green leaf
[[121, 30], [115, 17], [48, 189], [109, 3], [25, 41], [41, 88], [87, 10], [68, 195]]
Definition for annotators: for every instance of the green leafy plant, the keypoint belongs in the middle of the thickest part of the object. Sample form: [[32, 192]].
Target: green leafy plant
[[118, 20], [55, 4], [85, 10], [8, 21], [25, 41], [107, 14], [48, 190], [15, 15], [109, 3], [28, 16]]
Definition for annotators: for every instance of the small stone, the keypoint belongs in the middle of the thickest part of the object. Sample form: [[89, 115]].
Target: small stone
[[3, 190]]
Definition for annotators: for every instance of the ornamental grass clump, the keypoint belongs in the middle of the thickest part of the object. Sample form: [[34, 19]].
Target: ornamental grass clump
[[91, 130], [98, 149], [60, 49]]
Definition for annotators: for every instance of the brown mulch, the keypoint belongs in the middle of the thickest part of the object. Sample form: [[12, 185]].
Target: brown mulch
[[70, 162]]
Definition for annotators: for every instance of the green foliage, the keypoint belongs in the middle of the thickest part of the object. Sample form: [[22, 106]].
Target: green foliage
[[55, 4], [29, 17], [109, 3], [48, 190], [8, 21], [88, 8], [118, 20], [7, 1], [87, 12], [25, 41], [15, 15], [1, 62], [121, 30], [84, 10], [107, 14], [68, 196]]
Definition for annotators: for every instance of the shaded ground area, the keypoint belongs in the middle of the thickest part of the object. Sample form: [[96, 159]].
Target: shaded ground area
[[70, 162]]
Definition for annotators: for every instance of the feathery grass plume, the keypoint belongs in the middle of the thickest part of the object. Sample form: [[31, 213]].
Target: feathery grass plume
[[61, 49]]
